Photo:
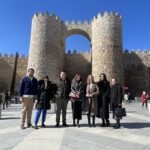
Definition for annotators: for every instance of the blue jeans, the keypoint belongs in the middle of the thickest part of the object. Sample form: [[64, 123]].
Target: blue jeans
[[37, 116]]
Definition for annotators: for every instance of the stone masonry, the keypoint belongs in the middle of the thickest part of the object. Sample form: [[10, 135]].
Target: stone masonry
[[104, 32]]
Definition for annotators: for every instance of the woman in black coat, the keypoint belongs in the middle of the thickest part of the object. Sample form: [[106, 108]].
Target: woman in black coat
[[103, 100], [116, 94], [43, 100], [77, 89]]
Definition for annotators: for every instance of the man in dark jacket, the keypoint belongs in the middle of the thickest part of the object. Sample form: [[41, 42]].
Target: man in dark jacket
[[27, 92], [116, 96], [64, 88]]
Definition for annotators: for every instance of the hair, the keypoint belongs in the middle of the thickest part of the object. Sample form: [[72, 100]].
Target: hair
[[105, 78], [115, 79], [75, 77], [30, 69], [88, 82], [46, 77]]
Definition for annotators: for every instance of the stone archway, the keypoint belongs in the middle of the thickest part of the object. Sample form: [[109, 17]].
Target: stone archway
[[78, 28], [78, 62]]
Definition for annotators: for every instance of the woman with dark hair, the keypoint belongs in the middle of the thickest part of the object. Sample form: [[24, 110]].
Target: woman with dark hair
[[92, 92], [77, 89], [104, 100], [43, 100]]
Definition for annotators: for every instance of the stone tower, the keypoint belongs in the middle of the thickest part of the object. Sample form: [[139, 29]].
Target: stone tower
[[47, 49], [107, 46]]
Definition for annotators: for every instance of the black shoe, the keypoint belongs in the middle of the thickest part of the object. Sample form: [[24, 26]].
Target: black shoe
[[30, 126], [107, 124], [116, 126], [90, 125], [74, 125], [65, 125], [57, 125], [78, 125], [103, 125], [93, 125], [43, 125]]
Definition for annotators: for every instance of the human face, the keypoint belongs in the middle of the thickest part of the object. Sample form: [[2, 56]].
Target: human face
[[45, 80], [113, 81], [91, 79], [78, 78], [102, 77], [144, 92], [63, 75], [30, 73]]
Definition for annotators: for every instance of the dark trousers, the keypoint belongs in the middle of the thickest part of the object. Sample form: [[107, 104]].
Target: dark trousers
[[77, 110], [61, 106], [144, 103], [38, 114]]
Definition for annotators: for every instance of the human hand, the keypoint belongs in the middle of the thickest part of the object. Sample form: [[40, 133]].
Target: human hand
[[36, 101], [87, 95], [21, 99]]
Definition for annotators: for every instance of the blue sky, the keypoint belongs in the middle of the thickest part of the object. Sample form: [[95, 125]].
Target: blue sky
[[16, 15]]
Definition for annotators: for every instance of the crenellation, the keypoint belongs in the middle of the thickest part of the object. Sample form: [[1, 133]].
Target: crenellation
[[104, 32], [79, 22]]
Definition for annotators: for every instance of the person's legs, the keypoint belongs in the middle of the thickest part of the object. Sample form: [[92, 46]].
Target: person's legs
[[93, 121], [89, 120], [78, 123], [37, 116], [142, 104], [23, 112], [107, 122], [30, 104], [64, 110], [103, 123], [58, 111], [146, 104], [72, 105], [3, 104], [117, 125], [44, 117]]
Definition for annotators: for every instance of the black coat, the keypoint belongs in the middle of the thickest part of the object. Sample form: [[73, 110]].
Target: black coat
[[116, 94], [103, 99], [64, 88], [44, 95]]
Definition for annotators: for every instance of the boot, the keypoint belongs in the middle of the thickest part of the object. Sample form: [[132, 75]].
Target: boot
[[74, 123], [78, 123], [117, 125], [94, 121], [103, 123], [89, 120], [107, 123], [57, 124]]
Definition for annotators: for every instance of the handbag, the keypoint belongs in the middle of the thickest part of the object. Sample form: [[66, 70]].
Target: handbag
[[74, 95], [120, 112]]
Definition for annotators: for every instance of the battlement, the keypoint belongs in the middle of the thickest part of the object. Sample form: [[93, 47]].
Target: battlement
[[138, 51], [46, 14], [78, 53], [106, 15], [73, 22], [11, 56]]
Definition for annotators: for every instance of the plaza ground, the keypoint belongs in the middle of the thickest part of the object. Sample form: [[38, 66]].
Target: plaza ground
[[133, 135]]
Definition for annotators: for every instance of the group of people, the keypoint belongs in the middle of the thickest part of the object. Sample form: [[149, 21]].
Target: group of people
[[5, 99], [94, 99]]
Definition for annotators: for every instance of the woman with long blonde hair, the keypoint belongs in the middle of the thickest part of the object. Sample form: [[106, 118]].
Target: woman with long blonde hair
[[92, 92]]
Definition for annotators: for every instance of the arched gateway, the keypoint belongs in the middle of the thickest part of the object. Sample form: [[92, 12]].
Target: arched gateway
[[47, 46]]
